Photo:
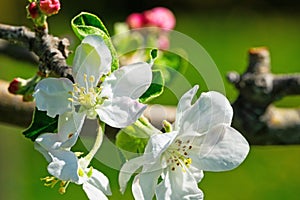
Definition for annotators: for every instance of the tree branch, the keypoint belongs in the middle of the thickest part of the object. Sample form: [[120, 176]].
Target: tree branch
[[254, 114], [52, 51]]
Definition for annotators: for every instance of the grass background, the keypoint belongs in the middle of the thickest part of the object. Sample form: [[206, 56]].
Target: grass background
[[269, 172]]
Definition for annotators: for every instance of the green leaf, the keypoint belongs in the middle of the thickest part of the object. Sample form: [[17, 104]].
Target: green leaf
[[85, 19], [41, 123], [85, 24], [156, 88]]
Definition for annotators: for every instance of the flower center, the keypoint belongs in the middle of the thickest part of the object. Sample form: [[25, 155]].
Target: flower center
[[178, 155], [86, 98]]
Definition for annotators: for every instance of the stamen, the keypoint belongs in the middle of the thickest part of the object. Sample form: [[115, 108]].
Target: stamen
[[63, 187], [92, 79]]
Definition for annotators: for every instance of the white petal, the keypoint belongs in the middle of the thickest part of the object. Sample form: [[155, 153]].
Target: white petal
[[178, 185], [43, 151], [158, 144], [100, 181], [49, 141], [144, 184], [92, 57], [69, 127], [120, 111], [224, 149], [64, 165], [128, 169], [210, 109], [130, 81], [93, 192], [51, 95], [184, 104]]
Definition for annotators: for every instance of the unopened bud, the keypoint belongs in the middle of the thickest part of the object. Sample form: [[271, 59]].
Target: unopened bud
[[160, 17], [49, 7], [135, 20], [33, 10], [15, 87]]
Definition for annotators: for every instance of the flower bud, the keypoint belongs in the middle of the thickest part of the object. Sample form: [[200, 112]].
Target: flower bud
[[49, 7], [24, 87], [33, 10], [160, 17], [16, 86], [135, 20]]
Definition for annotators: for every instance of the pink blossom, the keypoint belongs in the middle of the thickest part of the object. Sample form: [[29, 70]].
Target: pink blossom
[[160, 17], [135, 20], [49, 7]]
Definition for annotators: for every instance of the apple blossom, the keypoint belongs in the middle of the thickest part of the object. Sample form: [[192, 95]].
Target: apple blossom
[[201, 139], [114, 102]]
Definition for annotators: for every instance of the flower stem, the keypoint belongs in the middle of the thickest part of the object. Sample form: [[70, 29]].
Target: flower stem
[[98, 142]]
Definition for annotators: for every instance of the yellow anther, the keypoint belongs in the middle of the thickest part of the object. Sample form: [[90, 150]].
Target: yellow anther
[[62, 190], [71, 99], [92, 79], [80, 172], [71, 93], [78, 154], [50, 181], [84, 77], [91, 90], [82, 89]]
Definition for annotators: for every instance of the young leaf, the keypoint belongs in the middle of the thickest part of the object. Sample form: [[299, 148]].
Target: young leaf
[[41, 123], [86, 19], [88, 24], [156, 88]]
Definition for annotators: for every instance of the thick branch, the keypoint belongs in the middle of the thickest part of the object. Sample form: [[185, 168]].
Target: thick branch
[[52, 51]]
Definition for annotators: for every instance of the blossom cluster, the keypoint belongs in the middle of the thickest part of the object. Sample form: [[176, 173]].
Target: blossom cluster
[[173, 161], [39, 10]]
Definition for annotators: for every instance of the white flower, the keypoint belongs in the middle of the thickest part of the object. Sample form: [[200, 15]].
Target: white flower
[[202, 139], [115, 102], [65, 166]]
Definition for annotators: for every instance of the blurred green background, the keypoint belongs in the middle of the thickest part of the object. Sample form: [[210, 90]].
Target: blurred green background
[[226, 29]]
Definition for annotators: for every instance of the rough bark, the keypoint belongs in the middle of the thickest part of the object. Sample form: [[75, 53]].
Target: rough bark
[[52, 51], [254, 114]]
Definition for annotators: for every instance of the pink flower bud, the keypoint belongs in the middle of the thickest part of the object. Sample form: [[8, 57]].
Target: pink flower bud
[[135, 20], [160, 17], [49, 7], [16, 85], [33, 10]]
